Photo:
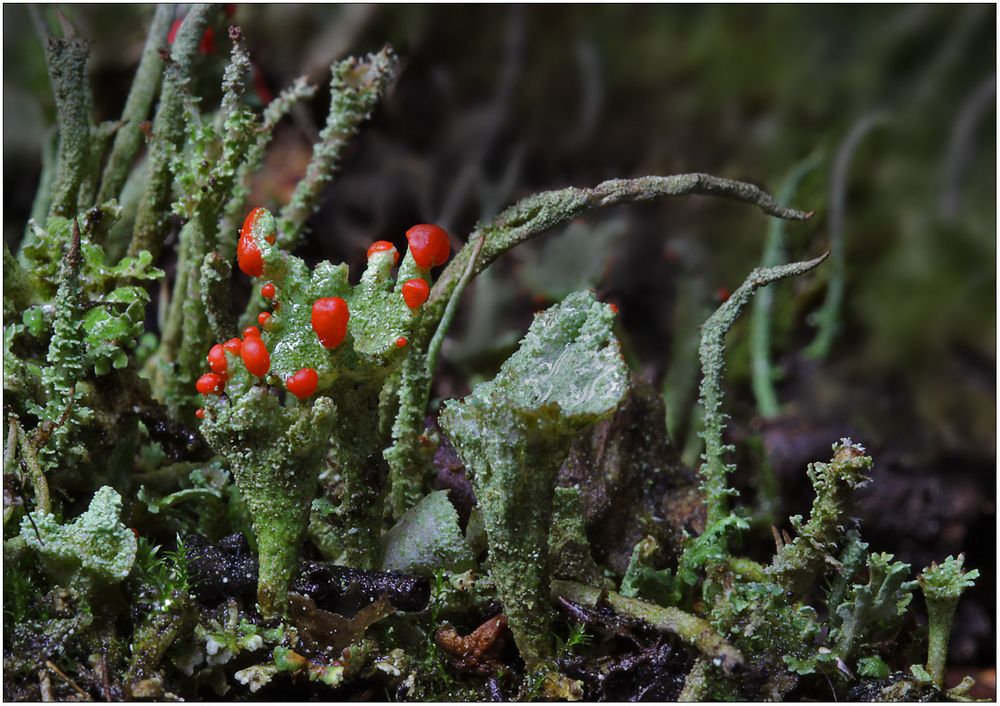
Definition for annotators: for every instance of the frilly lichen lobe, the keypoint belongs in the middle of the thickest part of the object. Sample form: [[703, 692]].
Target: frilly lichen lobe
[[95, 542]]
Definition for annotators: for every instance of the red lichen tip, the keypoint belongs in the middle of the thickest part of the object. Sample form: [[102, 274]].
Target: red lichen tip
[[415, 292], [329, 320], [217, 359], [401, 342], [429, 245], [248, 255], [255, 356], [268, 290], [613, 307], [207, 44], [263, 318], [303, 383], [251, 332], [233, 345], [200, 413], [210, 384], [381, 246], [172, 34]]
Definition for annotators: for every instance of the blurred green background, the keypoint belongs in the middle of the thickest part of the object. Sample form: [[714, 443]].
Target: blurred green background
[[494, 103]]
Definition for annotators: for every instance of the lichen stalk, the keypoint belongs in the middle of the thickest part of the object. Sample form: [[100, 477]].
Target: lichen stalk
[[798, 563], [711, 351], [168, 134], [235, 206], [67, 63], [828, 316], [356, 87], [145, 84], [514, 432], [942, 585], [762, 373]]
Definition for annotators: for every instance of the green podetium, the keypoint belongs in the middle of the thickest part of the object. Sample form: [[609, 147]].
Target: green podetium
[[336, 365], [798, 563], [942, 585], [514, 432]]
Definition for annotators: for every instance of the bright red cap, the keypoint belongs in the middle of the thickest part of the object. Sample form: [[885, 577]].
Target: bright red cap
[[429, 245], [217, 359], [303, 383], [415, 292], [210, 384], [255, 356], [329, 320]]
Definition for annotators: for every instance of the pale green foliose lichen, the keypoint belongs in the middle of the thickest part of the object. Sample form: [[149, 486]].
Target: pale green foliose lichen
[[96, 542], [426, 539]]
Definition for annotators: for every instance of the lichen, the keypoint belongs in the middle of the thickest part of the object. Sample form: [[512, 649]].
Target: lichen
[[514, 432], [277, 452], [96, 543]]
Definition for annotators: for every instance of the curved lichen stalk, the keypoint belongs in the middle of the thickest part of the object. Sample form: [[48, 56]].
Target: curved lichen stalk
[[712, 354], [760, 333], [410, 456], [332, 346], [711, 547], [514, 432]]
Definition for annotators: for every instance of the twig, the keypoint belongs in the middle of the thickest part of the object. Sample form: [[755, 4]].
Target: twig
[[33, 469], [105, 676], [690, 628], [62, 675]]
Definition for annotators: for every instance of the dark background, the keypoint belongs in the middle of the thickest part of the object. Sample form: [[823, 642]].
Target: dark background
[[495, 103]]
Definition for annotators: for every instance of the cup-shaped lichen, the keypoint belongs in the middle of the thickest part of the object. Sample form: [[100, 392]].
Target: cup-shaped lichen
[[514, 433], [332, 346], [942, 585], [276, 454]]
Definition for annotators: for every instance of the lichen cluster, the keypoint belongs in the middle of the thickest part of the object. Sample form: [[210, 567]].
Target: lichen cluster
[[305, 437]]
